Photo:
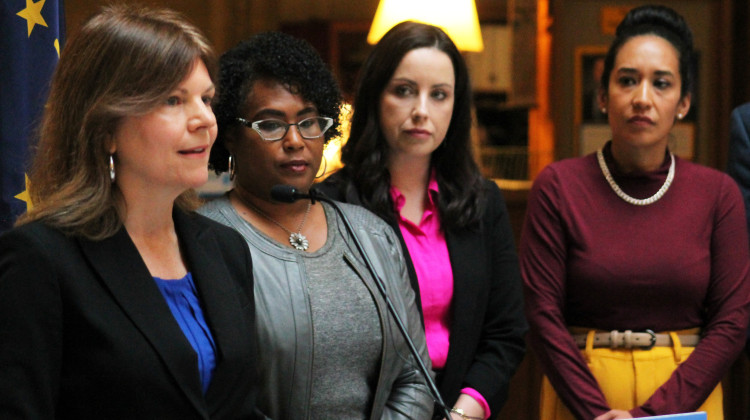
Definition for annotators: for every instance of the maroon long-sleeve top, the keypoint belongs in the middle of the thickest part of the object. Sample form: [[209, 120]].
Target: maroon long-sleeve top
[[591, 259]]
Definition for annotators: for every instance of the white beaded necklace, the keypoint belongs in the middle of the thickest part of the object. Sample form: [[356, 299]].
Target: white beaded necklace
[[634, 201]]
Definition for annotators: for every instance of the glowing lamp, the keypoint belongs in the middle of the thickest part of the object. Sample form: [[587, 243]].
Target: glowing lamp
[[458, 18]]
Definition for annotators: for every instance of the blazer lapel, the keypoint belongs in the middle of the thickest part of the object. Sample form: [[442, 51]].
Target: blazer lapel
[[466, 256], [122, 270], [220, 300]]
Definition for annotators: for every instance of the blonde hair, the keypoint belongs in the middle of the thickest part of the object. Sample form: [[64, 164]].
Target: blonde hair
[[123, 62]]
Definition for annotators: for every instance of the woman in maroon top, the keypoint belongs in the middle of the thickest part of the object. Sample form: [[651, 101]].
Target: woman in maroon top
[[635, 239]]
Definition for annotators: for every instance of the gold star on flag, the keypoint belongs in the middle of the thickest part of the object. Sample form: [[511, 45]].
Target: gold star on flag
[[24, 195], [33, 14]]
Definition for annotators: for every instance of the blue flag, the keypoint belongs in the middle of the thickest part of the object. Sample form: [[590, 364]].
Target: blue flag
[[31, 36]]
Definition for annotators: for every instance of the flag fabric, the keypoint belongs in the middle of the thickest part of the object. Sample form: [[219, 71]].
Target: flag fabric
[[31, 36]]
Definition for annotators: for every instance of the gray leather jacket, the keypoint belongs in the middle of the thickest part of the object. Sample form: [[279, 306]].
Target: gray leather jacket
[[284, 320]]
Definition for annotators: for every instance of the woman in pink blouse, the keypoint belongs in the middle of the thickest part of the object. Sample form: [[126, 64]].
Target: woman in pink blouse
[[408, 159]]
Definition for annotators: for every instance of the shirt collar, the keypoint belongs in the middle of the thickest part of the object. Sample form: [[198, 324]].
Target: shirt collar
[[432, 189]]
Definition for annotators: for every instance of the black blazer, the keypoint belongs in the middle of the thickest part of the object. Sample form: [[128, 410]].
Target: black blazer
[[738, 165], [488, 323], [86, 333]]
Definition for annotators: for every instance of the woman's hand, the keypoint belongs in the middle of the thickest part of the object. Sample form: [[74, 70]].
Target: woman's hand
[[470, 406], [615, 414]]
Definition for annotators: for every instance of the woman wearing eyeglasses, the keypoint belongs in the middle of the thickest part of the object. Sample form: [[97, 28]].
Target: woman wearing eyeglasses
[[328, 347]]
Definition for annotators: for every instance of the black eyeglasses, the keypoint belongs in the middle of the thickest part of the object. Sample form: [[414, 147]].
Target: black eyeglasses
[[274, 130]]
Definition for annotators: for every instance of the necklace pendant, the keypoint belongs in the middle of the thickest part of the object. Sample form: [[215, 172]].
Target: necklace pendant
[[299, 241]]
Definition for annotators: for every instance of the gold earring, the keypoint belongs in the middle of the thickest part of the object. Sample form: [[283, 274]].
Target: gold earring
[[231, 167], [325, 168]]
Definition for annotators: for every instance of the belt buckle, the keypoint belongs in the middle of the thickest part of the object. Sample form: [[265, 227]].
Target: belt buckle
[[653, 339]]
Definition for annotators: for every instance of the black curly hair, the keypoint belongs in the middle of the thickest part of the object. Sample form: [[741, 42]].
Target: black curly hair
[[663, 22], [274, 56]]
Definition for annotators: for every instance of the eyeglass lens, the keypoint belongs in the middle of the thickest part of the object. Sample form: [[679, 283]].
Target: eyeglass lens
[[309, 128]]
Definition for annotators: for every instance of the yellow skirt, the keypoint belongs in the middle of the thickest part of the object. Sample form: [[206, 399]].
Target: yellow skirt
[[628, 378]]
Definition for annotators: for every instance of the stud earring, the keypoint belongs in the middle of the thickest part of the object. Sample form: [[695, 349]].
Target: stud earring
[[604, 110], [679, 116]]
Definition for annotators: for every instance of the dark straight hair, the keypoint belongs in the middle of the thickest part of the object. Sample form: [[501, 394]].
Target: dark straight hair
[[365, 154]]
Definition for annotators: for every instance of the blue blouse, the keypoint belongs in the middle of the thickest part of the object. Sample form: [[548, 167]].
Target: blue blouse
[[182, 299]]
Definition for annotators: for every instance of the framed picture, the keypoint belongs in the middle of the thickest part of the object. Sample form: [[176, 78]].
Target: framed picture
[[341, 44], [348, 51], [589, 66], [588, 120]]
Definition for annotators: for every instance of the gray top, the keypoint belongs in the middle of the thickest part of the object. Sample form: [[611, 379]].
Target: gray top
[[346, 333], [302, 341], [346, 330]]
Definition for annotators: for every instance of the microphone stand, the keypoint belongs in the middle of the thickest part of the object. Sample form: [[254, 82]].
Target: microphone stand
[[290, 194]]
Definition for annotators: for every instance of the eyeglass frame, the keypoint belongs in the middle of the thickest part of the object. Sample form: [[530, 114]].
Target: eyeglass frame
[[254, 126]]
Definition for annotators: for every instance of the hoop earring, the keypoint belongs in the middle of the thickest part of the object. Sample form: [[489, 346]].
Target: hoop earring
[[325, 168], [111, 169], [231, 168]]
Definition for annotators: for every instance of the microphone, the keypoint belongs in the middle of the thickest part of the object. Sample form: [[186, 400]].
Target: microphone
[[289, 194]]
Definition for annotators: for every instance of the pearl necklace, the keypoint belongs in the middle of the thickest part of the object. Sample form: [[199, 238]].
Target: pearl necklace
[[634, 201], [296, 239]]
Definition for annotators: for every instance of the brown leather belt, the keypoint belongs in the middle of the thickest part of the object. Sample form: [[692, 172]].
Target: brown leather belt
[[636, 339]]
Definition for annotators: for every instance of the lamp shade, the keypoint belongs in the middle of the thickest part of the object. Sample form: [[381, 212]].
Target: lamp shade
[[458, 18]]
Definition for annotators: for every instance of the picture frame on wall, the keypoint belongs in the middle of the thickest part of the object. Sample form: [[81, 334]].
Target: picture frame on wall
[[589, 66], [590, 124], [341, 43]]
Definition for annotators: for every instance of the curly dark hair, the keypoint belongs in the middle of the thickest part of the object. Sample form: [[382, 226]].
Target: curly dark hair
[[366, 152], [274, 56], [662, 22]]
